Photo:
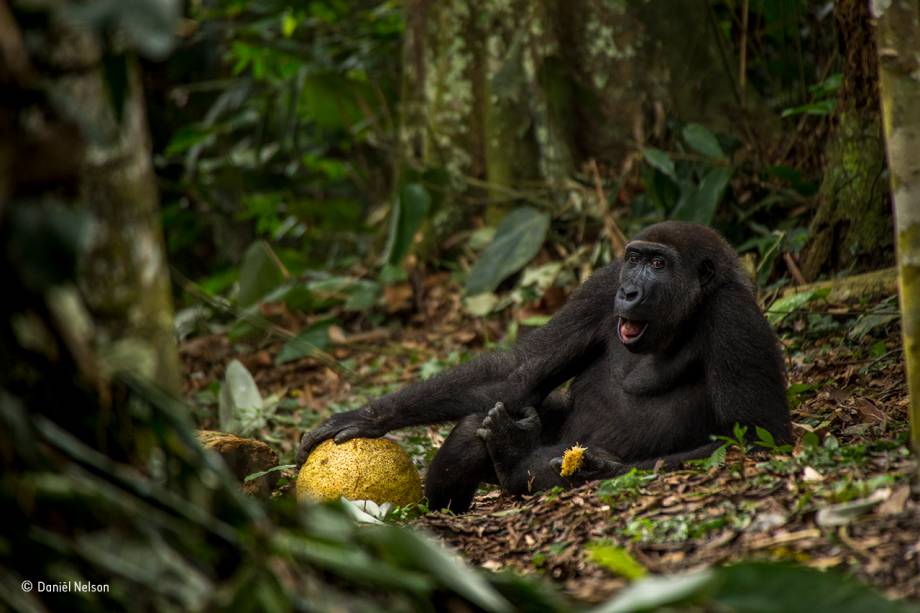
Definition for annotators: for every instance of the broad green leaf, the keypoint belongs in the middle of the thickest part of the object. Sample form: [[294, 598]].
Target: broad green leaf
[[653, 593], [331, 100], [703, 141], [316, 337], [754, 587], [346, 560], [288, 23], [411, 208], [362, 295], [260, 272], [764, 436], [617, 560], [186, 138], [880, 316], [765, 586], [821, 108], [783, 306], [700, 205], [414, 552], [660, 160], [240, 404], [480, 305], [518, 239]]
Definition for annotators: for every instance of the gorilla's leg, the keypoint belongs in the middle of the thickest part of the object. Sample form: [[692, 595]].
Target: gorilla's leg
[[460, 465]]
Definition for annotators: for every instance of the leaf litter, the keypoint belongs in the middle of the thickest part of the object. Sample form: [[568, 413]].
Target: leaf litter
[[842, 499]]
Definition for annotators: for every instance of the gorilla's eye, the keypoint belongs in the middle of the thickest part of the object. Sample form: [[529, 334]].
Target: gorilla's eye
[[632, 258], [658, 262]]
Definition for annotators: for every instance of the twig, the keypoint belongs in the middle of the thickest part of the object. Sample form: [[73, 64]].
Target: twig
[[794, 269], [611, 229]]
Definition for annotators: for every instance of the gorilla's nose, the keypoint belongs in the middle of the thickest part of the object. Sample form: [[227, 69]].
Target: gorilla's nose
[[629, 295]]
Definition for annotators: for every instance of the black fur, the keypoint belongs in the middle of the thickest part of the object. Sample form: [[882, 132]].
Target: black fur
[[706, 360]]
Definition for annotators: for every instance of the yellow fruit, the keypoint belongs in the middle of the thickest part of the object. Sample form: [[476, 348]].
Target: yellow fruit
[[572, 460], [360, 469]]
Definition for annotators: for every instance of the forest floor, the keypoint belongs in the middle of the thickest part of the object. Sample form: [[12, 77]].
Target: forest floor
[[841, 499]]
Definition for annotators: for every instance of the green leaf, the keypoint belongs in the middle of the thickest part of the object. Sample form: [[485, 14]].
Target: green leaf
[[186, 138], [765, 586], [660, 160], [880, 316], [810, 439], [518, 239], [617, 560], [480, 305], [411, 208], [764, 438], [288, 23], [754, 587], [703, 141], [260, 272], [783, 306], [414, 552], [316, 337], [362, 296], [240, 404], [821, 108], [653, 593], [700, 206], [273, 469]]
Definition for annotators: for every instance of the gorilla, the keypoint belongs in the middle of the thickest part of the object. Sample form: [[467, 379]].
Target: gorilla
[[663, 349]]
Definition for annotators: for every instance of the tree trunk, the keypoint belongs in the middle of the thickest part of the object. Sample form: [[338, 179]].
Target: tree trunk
[[851, 228], [511, 98], [105, 154], [899, 62]]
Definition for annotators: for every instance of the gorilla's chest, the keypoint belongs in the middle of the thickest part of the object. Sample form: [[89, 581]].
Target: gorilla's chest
[[638, 405]]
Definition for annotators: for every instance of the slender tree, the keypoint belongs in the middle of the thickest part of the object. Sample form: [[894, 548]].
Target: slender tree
[[898, 24]]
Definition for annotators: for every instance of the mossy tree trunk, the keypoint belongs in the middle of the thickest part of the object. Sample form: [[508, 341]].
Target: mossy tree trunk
[[105, 155], [852, 226], [899, 62], [512, 97]]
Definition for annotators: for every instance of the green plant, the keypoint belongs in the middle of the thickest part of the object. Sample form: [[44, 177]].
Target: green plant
[[625, 485]]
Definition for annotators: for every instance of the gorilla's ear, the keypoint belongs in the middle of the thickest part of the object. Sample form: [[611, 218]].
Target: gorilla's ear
[[707, 272]]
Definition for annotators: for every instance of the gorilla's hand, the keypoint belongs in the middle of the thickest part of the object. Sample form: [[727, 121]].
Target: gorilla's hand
[[595, 465], [341, 427], [506, 430]]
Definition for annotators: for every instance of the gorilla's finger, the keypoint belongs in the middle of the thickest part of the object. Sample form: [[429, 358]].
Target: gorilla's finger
[[556, 464], [530, 423], [529, 413], [348, 434], [484, 434]]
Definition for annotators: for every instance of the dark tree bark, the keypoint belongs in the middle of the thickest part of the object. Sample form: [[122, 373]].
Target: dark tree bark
[[63, 138], [511, 98], [852, 226]]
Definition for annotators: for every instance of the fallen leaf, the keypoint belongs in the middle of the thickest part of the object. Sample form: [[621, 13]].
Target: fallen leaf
[[845, 512], [895, 504], [810, 474]]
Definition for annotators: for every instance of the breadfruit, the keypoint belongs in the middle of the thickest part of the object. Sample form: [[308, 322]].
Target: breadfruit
[[360, 469]]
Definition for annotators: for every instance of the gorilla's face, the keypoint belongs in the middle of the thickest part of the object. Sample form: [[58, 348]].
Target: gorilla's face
[[655, 296]]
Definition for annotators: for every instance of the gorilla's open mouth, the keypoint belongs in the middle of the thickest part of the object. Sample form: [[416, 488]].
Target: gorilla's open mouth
[[630, 330]]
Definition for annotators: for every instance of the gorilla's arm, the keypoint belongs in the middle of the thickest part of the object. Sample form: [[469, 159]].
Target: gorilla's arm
[[523, 376], [744, 372], [540, 471]]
